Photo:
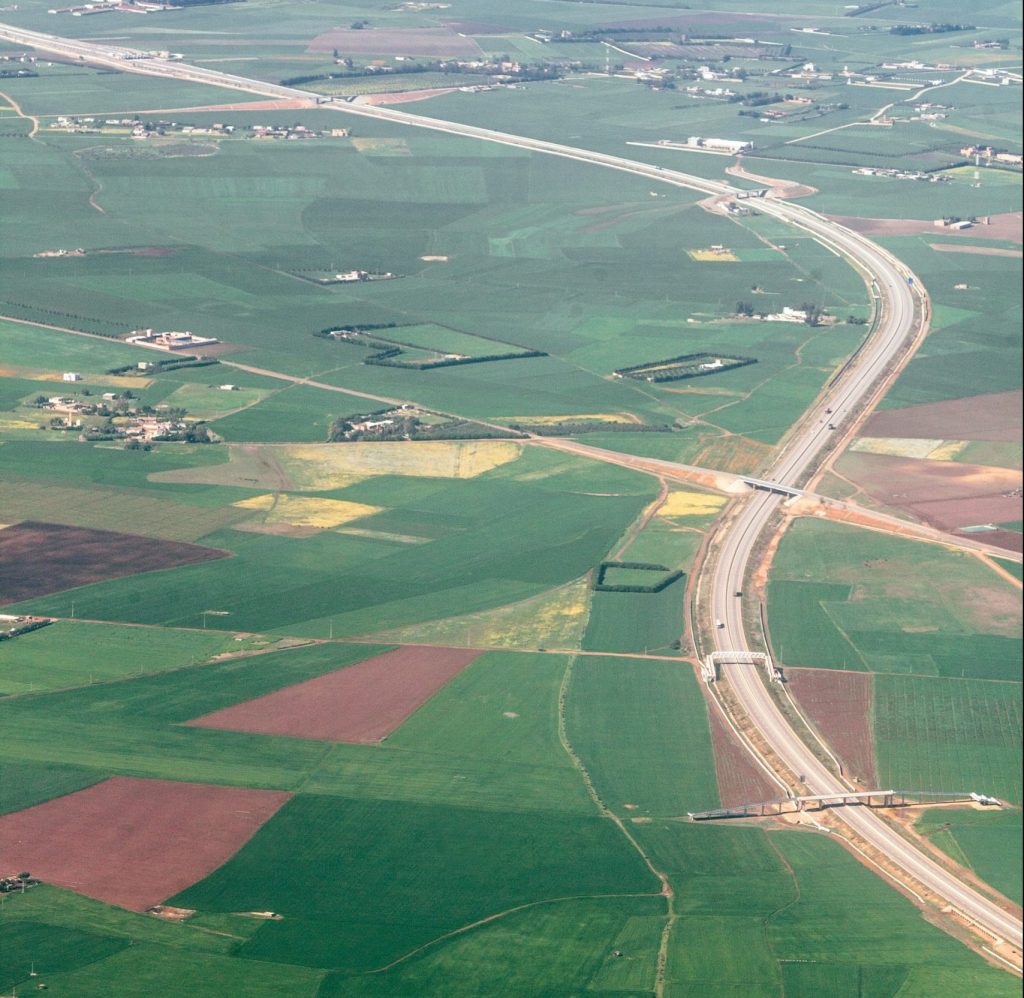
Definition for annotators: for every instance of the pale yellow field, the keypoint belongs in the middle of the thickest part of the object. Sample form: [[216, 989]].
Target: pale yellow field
[[591, 417], [13, 423], [691, 504], [329, 466], [554, 620], [914, 447], [712, 256], [302, 511], [394, 146]]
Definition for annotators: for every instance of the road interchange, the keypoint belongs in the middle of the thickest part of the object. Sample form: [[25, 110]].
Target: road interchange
[[901, 317]]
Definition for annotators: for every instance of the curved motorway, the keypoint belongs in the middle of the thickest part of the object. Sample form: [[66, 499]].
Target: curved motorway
[[900, 310]]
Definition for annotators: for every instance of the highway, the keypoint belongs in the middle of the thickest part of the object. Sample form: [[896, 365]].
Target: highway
[[900, 305]]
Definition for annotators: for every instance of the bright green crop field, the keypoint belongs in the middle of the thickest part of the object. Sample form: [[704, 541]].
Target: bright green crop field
[[522, 829], [987, 842]]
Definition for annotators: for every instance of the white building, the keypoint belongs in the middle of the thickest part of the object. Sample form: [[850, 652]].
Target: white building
[[732, 146], [72, 376]]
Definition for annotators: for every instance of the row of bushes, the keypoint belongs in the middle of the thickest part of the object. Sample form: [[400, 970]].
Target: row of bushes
[[390, 358], [81, 320], [663, 583], [163, 366], [674, 374]]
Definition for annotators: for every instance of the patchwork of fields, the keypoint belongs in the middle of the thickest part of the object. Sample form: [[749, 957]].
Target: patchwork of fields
[[375, 718]]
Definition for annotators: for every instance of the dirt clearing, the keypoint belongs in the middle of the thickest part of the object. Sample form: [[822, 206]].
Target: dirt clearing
[[943, 494], [838, 704], [360, 703], [134, 842], [1005, 226], [996, 417], [41, 558]]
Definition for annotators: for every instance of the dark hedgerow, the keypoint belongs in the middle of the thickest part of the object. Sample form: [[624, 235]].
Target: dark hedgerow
[[642, 566]]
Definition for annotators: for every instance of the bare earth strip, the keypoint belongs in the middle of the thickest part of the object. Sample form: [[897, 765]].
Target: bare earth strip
[[977, 250], [739, 780], [1005, 226], [134, 842], [996, 416], [406, 96], [41, 558], [360, 703], [411, 41], [839, 704]]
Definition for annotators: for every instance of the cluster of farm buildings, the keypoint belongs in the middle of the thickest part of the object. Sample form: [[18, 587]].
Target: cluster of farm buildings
[[138, 129], [108, 6], [169, 341]]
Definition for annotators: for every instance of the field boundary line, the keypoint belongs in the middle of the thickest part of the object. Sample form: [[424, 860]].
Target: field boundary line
[[666, 886], [496, 917]]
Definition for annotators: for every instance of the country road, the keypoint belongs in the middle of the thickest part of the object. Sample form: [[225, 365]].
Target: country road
[[902, 316]]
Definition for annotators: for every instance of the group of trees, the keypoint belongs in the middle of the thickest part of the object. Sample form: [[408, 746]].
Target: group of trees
[[656, 587], [813, 314]]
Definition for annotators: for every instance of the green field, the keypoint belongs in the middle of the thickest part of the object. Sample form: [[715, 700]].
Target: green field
[[73, 654], [636, 622], [572, 942], [641, 730], [987, 842], [842, 598], [969, 351], [790, 919], [344, 906], [948, 734]]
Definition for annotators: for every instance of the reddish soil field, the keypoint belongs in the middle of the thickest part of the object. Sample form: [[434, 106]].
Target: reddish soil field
[[839, 706], [411, 41], [740, 779], [41, 558], [360, 703], [942, 493], [982, 417], [1005, 226], [133, 842]]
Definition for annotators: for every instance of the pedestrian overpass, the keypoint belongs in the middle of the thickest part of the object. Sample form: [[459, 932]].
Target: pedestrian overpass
[[863, 798], [709, 667]]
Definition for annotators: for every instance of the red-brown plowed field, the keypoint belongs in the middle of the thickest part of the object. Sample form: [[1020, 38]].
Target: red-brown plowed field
[[411, 41], [41, 558], [360, 703], [996, 416], [133, 842], [944, 494], [740, 779], [839, 706]]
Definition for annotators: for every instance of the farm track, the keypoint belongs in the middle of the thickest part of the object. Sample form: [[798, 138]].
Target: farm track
[[901, 324]]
